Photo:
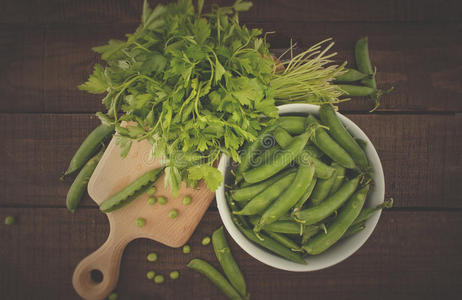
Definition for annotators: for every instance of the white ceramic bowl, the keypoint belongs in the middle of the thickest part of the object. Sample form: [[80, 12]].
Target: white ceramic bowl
[[341, 250]]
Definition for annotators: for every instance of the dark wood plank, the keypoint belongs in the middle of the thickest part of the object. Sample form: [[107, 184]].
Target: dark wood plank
[[113, 11], [42, 65], [411, 255], [421, 156]]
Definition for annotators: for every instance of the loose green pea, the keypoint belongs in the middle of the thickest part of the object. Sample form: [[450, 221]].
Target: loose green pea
[[150, 274], [206, 241], [187, 200], [152, 257], [140, 222], [162, 200], [186, 249], [159, 279], [151, 200], [174, 275], [151, 191], [173, 214], [10, 220], [113, 296]]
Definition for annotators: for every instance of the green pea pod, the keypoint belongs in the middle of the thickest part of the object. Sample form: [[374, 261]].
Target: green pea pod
[[251, 151], [322, 189], [309, 232], [330, 147], [79, 186], [267, 196], [321, 211], [313, 151], [269, 243], [289, 197], [131, 192], [215, 277], [280, 226], [342, 136], [356, 90], [340, 225], [366, 213], [307, 193], [267, 156], [281, 161], [293, 124], [281, 238], [283, 138], [227, 262], [88, 147], [339, 177], [350, 75], [248, 192], [363, 62], [353, 229]]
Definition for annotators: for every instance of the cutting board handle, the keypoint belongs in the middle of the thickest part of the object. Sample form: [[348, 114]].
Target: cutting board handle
[[105, 260]]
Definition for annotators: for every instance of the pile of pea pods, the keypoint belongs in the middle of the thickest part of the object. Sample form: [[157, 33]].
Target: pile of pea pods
[[304, 192]]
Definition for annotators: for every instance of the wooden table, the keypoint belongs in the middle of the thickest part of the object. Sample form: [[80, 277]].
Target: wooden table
[[416, 249]]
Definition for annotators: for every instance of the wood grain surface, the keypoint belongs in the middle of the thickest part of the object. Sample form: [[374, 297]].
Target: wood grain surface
[[415, 251]]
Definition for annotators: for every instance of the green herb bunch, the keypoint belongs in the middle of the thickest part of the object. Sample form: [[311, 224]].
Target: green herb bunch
[[196, 85]]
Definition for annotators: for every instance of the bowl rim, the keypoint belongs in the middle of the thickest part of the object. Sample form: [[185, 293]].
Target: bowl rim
[[332, 256]]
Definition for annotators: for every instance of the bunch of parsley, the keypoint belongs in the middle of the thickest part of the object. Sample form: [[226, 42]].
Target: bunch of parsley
[[194, 85]]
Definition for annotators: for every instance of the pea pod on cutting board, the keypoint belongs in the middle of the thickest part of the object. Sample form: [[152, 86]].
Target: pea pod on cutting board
[[131, 192], [340, 225], [351, 75], [88, 147]]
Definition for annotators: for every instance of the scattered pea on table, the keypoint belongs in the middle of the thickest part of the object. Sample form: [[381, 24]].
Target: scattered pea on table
[[173, 214], [187, 200], [151, 200], [174, 275], [186, 249], [206, 241], [150, 274], [140, 222], [113, 296], [10, 220], [152, 257], [162, 200], [159, 279]]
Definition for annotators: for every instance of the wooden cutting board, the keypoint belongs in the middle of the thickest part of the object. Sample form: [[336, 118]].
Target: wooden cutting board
[[110, 176]]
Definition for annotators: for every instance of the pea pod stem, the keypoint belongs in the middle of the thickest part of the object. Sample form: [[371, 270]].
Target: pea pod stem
[[227, 262], [215, 277], [79, 186], [366, 213]]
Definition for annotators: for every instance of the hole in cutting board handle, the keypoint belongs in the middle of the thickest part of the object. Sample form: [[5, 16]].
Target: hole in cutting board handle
[[96, 276]]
